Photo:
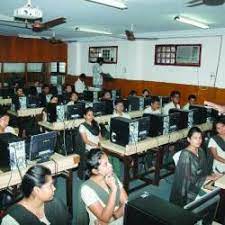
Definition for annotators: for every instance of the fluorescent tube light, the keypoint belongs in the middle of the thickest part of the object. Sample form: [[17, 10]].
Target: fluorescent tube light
[[191, 22], [120, 4], [89, 30]]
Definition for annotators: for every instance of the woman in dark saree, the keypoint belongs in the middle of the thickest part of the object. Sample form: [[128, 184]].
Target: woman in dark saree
[[191, 171]]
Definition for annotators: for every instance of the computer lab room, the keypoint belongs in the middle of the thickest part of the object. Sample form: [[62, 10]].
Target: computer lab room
[[112, 112]]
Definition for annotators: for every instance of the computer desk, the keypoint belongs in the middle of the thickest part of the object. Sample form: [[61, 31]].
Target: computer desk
[[59, 165], [220, 182], [5, 101], [129, 154], [26, 112], [70, 124]]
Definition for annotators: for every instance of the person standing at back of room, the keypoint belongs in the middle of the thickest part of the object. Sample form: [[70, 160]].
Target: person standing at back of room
[[98, 73], [80, 85]]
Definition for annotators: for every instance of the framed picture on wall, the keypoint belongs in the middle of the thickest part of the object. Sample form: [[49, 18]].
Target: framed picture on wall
[[178, 55], [108, 53]]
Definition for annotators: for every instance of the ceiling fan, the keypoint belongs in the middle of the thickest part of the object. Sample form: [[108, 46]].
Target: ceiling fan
[[194, 3], [30, 17]]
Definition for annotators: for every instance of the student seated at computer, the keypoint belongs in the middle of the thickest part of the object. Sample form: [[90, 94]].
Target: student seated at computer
[[89, 130], [45, 95], [50, 110], [191, 171], [4, 122], [106, 96], [15, 100], [73, 98], [38, 205], [174, 103], [119, 109], [67, 93], [103, 193], [146, 93], [217, 146], [132, 93], [191, 101], [154, 108]]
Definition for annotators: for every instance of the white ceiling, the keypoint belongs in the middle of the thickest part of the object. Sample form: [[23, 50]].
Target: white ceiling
[[146, 16]]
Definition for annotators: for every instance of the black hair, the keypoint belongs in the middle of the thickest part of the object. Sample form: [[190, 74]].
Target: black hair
[[82, 76], [3, 111], [54, 96], [100, 59], [106, 92], [155, 99], [74, 92], [44, 86], [145, 90], [117, 101], [35, 176], [93, 157], [220, 119], [19, 88], [192, 96], [132, 93], [173, 93], [33, 91], [88, 109], [194, 130]]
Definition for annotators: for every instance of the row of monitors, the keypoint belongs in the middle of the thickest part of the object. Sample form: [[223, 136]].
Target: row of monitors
[[14, 151], [129, 131]]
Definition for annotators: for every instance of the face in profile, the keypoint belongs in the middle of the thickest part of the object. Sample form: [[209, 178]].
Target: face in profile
[[107, 96], [74, 97], [54, 100], [46, 191], [192, 101], [4, 121], [176, 99]]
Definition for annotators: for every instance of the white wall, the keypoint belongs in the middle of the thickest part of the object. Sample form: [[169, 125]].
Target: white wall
[[136, 61]]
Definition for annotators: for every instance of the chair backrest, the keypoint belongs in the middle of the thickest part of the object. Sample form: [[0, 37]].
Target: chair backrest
[[176, 157]]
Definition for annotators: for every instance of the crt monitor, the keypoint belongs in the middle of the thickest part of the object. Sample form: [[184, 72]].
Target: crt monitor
[[133, 103], [205, 207], [99, 108], [200, 114], [147, 101], [75, 111], [108, 106], [42, 146]]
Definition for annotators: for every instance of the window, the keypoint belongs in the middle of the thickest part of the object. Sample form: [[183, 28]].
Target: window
[[108, 53], [34, 67], [14, 67], [178, 55], [58, 67]]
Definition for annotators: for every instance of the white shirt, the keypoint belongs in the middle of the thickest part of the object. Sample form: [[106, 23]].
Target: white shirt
[[90, 137], [217, 164], [186, 107], [97, 77], [79, 86], [89, 197], [11, 130], [169, 106], [149, 110], [124, 115]]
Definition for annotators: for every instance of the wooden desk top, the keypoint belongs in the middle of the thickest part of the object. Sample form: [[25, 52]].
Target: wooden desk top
[[5, 101], [26, 112], [70, 124], [151, 142], [220, 182], [61, 163]]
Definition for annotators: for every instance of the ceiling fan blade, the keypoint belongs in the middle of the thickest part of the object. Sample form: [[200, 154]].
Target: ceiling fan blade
[[197, 4], [194, 1], [130, 35]]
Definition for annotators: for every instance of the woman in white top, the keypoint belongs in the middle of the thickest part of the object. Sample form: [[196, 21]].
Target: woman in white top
[[4, 122], [154, 108], [90, 130], [103, 193], [119, 110], [73, 98], [217, 146]]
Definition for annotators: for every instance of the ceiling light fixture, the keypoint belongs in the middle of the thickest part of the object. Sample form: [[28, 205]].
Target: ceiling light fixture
[[89, 30], [119, 4], [191, 22]]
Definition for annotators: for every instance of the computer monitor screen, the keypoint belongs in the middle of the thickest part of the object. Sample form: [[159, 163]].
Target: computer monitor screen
[[174, 119], [99, 108], [42, 146], [147, 101], [199, 114], [108, 106], [33, 102], [75, 111], [205, 206], [134, 103]]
